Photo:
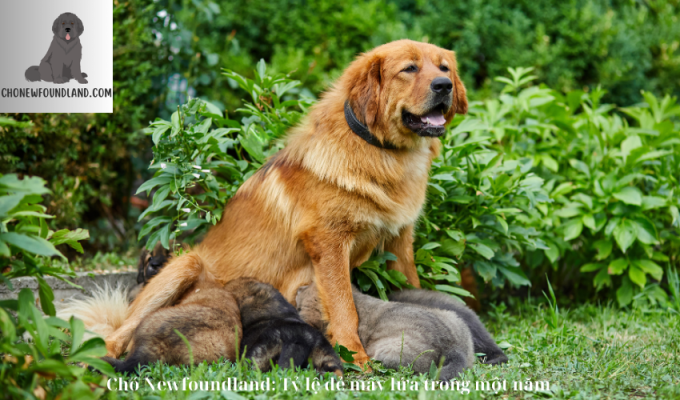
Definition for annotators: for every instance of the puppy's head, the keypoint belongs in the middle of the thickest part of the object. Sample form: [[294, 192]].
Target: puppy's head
[[68, 27], [150, 263], [404, 90], [309, 306]]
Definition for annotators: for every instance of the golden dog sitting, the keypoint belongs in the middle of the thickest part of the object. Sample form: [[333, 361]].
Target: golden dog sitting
[[351, 179]]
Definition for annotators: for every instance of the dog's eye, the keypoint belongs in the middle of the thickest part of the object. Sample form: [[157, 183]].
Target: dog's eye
[[410, 68], [444, 68]]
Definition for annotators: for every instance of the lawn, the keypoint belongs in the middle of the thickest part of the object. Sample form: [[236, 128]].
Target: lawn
[[585, 352]]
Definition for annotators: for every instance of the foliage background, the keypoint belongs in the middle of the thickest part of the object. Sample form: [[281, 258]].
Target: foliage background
[[166, 51]]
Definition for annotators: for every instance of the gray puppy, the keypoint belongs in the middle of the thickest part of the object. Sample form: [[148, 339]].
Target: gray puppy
[[426, 334], [62, 61], [481, 339]]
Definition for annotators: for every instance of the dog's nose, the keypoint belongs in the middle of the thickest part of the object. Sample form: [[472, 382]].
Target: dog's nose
[[441, 85], [68, 29]]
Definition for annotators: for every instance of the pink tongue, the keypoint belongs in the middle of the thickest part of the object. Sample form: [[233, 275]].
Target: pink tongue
[[434, 118], [68, 37]]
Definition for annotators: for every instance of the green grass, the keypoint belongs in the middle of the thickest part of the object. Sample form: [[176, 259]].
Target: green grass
[[586, 352]]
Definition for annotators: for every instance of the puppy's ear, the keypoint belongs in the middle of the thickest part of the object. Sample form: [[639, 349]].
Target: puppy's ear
[[55, 25], [364, 95], [79, 26], [460, 102]]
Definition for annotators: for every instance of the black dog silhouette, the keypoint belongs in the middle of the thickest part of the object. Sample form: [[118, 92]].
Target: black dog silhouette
[[62, 61]]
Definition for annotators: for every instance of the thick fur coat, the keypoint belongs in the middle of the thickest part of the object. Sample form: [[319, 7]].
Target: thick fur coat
[[401, 334], [208, 317], [481, 339], [274, 332]]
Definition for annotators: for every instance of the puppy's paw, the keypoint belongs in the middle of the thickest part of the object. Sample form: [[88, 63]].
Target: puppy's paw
[[60, 79], [82, 81]]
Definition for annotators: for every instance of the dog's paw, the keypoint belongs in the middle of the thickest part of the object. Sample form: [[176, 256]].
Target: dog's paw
[[60, 79], [82, 81]]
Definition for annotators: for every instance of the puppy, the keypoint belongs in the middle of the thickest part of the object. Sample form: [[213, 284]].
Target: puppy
[[399, 334], [62, 61], [207, 315], [150, 263], [481, 339], [274, 331]]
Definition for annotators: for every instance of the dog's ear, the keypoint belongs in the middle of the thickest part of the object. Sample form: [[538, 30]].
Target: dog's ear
[[55, 25], [79, 25], [364, 95], [460, 102]]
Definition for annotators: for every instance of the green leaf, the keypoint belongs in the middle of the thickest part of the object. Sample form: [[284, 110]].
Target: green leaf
[[174, 121], [30, 244], [46, 297], [617, 266], [430, 246], [573, 229], [453, 248], [624, 294], [252, 145], [486, 270], [153, 182], [580, 166], [651, 202], [591, 267], [649, 267], [77, 331], [515, 275], [482, 250], [455, 234], [71, 238], [604, 249], [8, 202], [625, 234], [629, 195], [645, 231], [637, 276]]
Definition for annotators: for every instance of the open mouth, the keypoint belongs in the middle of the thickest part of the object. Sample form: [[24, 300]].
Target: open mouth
[[430, 124]]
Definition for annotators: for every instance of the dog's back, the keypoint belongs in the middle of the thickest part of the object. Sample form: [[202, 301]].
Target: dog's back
[[399, 334], [207, 315], [274, 331], [481, 339]]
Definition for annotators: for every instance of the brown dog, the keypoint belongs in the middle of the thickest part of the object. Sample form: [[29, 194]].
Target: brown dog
[[352, 178]]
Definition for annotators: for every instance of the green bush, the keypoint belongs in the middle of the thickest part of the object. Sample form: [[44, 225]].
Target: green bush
[[36, 368], [612, 179]]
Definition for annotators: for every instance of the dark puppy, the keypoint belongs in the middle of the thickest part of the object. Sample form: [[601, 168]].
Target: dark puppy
[[481, 339], [150, 263], [401, 334], [62, 61], [207, 315], [273, 330]]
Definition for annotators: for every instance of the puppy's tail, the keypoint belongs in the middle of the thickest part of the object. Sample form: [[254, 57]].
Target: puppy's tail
[[102, 313], [32, 74]]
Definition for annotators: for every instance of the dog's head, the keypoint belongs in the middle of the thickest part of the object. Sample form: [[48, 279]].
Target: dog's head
[[68, 27], [150, 263], [405, 89]]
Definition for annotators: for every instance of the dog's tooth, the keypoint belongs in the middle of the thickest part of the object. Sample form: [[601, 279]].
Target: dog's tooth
[[428, 120]]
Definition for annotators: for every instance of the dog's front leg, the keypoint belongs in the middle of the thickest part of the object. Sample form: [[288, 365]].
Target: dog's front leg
[[402, 247], [330, 254]]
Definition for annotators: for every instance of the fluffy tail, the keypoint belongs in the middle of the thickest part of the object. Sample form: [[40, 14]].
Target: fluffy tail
[[102, 313], [32, 74]]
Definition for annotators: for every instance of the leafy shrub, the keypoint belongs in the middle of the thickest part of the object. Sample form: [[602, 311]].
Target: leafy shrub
[[26, 243], [613, 181]]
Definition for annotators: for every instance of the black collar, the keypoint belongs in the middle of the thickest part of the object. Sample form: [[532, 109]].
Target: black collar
[[362, 131]]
